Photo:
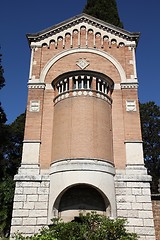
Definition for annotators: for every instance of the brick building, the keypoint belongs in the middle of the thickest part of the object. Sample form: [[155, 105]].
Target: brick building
[[82, 146]]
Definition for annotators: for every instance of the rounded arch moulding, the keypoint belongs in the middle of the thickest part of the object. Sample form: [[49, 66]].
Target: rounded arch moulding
[[106, 55]]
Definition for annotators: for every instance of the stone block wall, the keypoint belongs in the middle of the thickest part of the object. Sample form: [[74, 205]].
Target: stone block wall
[[134, 202], [133, 198], [30, 208]]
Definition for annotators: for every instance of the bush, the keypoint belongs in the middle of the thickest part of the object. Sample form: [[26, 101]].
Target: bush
[[89, 227]]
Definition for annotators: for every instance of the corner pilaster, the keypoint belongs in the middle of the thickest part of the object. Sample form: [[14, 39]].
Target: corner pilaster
[[133, 199]]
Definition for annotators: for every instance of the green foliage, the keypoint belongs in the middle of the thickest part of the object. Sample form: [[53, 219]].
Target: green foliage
[[6, 201], [105, 10], [150, 123], [89, 227], [3, 118], [13, 151], [10, 158], [11, 138], [2, 80]]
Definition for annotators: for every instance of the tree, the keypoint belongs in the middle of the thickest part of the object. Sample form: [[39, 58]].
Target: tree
[[105, 10], [2, 80], [11, 137], [89, 227], [150, 123], [6, 201], [3, 120], [10, 158], [13, 151]]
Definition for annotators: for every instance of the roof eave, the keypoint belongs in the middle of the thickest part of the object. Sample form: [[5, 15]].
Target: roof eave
[[49, 31]]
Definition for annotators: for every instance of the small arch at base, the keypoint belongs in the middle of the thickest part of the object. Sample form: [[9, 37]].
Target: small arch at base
[[81, 198]]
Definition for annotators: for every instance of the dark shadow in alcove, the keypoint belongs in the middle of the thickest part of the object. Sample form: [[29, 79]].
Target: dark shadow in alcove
[[82, 197]]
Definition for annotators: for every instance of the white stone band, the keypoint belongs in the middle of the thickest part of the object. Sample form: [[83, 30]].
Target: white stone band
[[95, 165]]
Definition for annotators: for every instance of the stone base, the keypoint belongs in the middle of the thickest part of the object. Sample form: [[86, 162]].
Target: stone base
[[30, 208], [68, 173], [133, 199], [33, 204]]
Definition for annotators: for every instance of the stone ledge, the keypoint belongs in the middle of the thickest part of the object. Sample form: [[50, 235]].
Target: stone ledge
[[133, 169], [81, 164], [29, 169], [136, 169], [31, 141], [133, 178], [31, 178], [28, 178]]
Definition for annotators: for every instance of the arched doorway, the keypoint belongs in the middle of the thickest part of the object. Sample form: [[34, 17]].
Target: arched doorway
[[81, 198]]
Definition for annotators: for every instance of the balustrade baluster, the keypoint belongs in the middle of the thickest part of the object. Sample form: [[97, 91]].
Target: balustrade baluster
[[103, 87], [62, 86], [82, 82]]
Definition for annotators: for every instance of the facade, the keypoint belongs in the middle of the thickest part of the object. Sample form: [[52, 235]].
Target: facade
[[82, 146]]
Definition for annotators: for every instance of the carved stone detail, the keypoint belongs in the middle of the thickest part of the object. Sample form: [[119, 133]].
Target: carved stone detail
[[129, 85], [131, 106], [82, 63], [37, 85], [34, 106]]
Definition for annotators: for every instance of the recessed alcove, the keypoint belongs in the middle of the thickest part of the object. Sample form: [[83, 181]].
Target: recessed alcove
[[81, 198]]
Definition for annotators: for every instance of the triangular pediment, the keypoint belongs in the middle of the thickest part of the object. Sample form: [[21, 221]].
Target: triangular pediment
[[75, 24]]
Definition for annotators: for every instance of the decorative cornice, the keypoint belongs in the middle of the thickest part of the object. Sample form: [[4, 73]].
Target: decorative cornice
[[82, 93], [133, 141], [129, 85], [31, 141], [85, 19], [132, 178], [36, 85]]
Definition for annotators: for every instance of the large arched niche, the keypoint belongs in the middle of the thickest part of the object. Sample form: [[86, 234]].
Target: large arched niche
[[80, 198], [68, 59]]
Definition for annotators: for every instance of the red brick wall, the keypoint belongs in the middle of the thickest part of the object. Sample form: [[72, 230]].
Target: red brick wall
[[156, 214], [84, 130], [125, 125]]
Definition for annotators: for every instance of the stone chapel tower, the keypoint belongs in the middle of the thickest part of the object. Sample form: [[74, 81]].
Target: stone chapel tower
[[82, 146]]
